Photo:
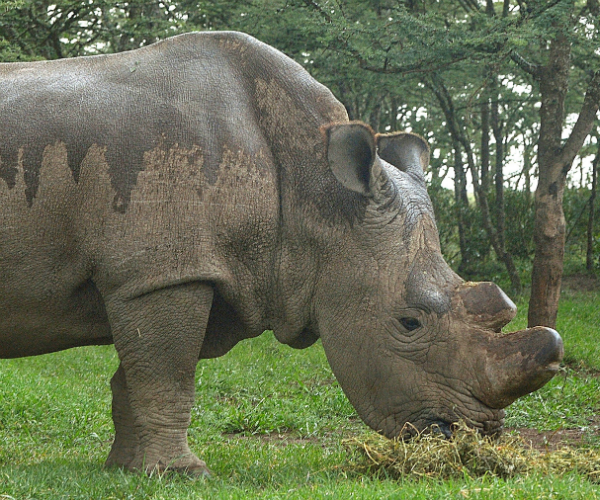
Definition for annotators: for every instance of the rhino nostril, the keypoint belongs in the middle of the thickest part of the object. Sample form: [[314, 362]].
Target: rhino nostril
[[447, 429]]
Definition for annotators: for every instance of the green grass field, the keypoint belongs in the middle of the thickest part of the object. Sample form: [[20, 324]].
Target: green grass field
[[269, 421]]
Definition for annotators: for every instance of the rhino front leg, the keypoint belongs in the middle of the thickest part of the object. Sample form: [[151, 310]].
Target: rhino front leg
[[158, 337]]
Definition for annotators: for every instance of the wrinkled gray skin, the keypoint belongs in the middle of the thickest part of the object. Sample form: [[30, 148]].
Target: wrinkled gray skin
[[179, 198]]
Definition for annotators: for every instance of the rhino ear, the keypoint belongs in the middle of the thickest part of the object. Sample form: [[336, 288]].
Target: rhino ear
[[351, 153], [407, 152]]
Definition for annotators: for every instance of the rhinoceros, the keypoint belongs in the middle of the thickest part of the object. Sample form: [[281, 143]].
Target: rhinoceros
[[178, 198]]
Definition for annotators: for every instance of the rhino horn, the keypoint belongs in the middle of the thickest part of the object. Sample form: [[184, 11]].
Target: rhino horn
[[514, 364], [519, 363], [487, 305]]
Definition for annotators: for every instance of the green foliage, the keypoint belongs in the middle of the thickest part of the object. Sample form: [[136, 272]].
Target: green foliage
[[519, 211], [66, 28], [10, 53], [7, 5], [519, 207]]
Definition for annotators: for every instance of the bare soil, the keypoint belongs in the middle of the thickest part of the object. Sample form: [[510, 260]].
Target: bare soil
[[552, 440]]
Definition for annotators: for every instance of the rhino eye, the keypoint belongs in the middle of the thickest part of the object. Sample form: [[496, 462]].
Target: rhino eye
[[410, 323]]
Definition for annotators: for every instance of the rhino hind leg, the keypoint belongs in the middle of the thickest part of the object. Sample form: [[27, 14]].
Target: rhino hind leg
[[126, 444], [158, 337]]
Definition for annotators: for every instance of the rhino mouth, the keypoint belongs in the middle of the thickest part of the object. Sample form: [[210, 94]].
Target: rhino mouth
[[446, 419], [479, 416], [441, 427], [447, 428]]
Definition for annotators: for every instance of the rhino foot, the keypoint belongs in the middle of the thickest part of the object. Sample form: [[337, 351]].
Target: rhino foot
[[189, 465], [120, 457]]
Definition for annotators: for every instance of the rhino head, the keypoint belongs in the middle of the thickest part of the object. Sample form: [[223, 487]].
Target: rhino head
[[409, 341]]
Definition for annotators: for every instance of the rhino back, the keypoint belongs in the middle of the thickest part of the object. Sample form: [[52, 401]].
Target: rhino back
[[183, 91]]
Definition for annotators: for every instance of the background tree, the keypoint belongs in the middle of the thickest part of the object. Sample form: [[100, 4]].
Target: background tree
[[591, 237], [555, 156]]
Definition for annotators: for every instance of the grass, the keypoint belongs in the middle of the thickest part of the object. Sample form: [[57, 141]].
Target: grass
[[269, 421]]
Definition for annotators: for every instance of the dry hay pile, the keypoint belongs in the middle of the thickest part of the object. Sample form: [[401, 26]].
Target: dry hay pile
[[469, 453]]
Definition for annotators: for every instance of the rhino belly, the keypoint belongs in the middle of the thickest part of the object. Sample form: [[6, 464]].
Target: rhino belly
[[34, 323]]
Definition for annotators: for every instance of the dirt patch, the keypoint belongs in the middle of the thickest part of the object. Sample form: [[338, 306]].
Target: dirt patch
[[553, 440], [581, 283]]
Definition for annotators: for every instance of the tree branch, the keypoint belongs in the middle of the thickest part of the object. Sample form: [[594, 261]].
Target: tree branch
[[313, 5], [543, 8], [525, 65], [584, 122], [420, 67], [469, 6]]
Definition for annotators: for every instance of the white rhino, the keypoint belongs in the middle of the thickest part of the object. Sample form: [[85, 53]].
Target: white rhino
[[176, 199]]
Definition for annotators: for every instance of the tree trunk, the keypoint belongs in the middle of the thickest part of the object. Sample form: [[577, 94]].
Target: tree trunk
[[375, 114], [485, 137], [461, 201], [527, 173], [498, 171], [589, 257], [555, 160], [549, 228], [394, 114], [500, 244]]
